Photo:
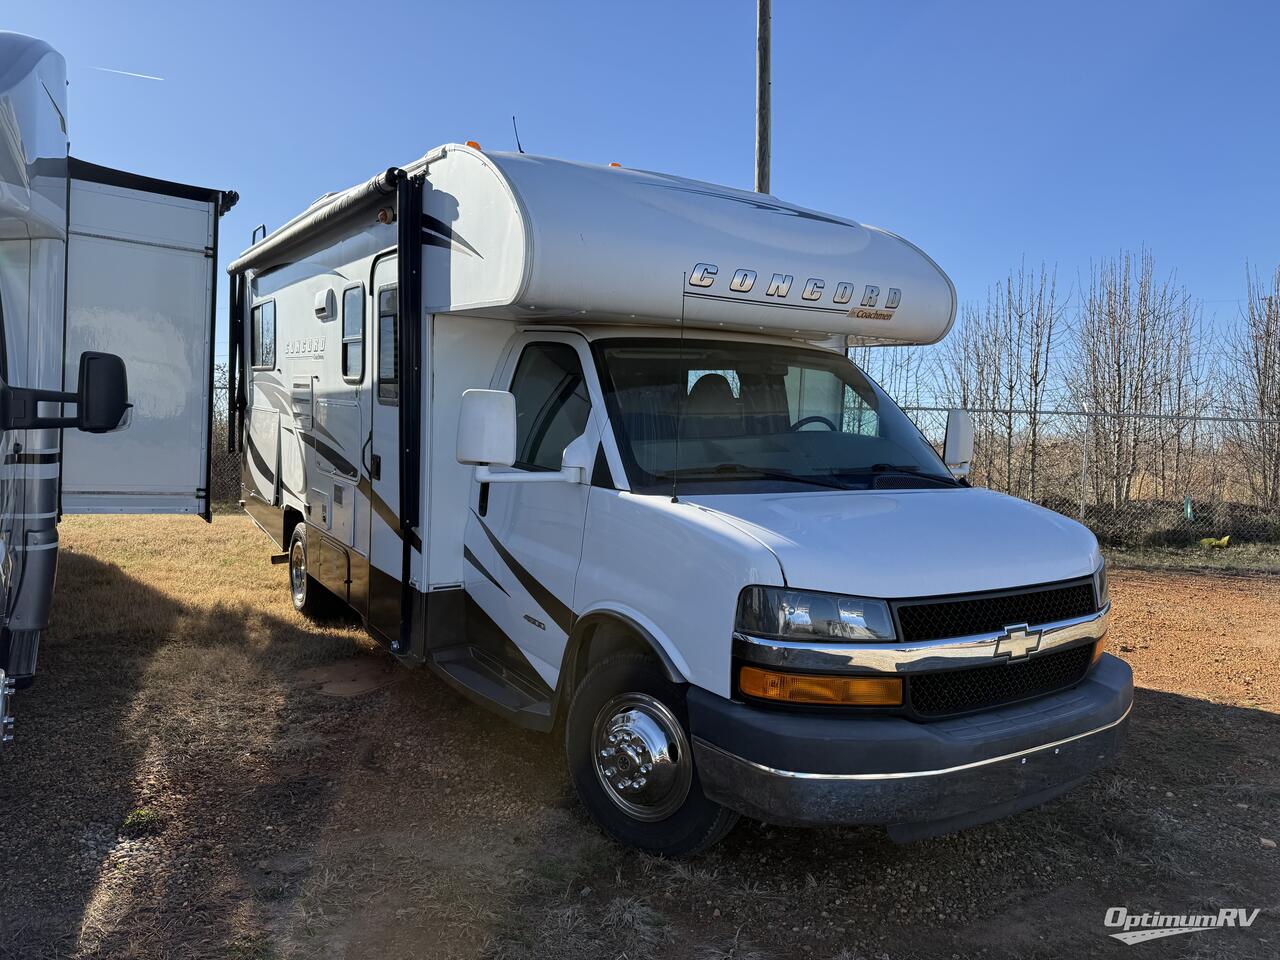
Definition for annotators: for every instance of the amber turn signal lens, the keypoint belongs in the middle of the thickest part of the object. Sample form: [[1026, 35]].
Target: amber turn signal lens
[[1099, 647], [808, 688], [473, 145]]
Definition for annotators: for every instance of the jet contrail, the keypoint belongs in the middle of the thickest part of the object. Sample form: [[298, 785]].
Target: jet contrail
[[127, 73]]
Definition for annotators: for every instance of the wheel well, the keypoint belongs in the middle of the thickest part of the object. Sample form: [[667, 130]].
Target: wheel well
[[292, 517], [602, 637]]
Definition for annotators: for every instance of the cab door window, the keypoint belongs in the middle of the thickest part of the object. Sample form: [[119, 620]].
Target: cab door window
[[552, 404]]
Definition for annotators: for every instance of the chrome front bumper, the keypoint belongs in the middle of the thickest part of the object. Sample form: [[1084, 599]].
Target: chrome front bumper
[[917, 779]]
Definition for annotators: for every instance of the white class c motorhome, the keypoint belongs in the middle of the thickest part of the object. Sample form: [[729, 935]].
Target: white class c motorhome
[[586, 441], [100, 271]]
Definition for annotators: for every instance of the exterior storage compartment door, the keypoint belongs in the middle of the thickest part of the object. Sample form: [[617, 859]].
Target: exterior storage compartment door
[[140, 283]]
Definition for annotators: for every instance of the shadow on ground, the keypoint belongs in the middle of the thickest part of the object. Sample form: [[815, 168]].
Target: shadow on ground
[[179, 788]]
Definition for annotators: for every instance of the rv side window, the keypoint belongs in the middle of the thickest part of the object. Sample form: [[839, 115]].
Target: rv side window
[[388, 345], [262, 345], [552, 404], [353, 333]]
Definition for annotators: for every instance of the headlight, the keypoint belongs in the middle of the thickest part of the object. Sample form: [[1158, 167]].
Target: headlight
[[781, 614], [1100, 590]]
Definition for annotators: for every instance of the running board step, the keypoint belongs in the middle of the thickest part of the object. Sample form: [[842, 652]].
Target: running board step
[[492, 683]]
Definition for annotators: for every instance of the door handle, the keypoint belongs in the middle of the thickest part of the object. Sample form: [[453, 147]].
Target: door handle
[[375, 467]]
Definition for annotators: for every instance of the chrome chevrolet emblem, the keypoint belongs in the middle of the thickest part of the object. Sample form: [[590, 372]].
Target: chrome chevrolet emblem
[[1017, 642]]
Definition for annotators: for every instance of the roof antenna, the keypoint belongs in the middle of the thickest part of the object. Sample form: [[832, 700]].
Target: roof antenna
[[516, 130], [683, 388]]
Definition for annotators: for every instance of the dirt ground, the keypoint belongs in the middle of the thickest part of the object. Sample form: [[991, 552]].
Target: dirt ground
[[199, 773]]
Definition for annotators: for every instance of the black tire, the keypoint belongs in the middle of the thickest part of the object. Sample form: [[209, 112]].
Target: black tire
[[693, 823], [308, 596]]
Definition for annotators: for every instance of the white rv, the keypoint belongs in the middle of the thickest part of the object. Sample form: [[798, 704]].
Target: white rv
[[586, 441], [96, 266]]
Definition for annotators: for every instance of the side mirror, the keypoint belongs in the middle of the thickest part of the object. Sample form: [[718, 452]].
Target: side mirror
[[957, 448], [487, 428], [101, 399], [487, 438]]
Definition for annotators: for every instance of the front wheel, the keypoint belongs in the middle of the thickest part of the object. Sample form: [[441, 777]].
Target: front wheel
[[628, 749]]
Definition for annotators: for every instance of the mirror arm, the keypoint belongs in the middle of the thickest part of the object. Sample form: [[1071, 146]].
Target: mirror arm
[[485, 474], [18, 406]]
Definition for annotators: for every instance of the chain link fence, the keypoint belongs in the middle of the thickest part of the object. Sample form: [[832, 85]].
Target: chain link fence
[[226, 466], [1141, 482]]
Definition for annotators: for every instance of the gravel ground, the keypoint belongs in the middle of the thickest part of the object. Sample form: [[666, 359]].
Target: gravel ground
[[200, 773]]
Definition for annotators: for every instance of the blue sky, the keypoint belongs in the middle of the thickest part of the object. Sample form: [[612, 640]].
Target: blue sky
[[984, 132]]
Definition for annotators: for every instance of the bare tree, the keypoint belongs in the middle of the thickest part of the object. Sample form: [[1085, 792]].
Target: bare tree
[[970, 373], [903, 371], [1186, 375], [999, 363], [1130, 331], [1254, 384]]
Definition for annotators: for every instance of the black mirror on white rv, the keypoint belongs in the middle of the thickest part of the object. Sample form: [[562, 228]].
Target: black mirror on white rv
[[957, 448], [101, 399]]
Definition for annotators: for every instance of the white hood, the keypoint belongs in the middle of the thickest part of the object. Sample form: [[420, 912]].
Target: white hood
[[911, 543]]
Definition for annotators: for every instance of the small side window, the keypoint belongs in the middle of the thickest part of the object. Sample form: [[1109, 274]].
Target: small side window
[[353, 333], [388, 345], [262, 335]]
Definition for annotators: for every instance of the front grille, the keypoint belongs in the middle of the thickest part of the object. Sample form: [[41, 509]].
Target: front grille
[[953, 692], [990, 613]]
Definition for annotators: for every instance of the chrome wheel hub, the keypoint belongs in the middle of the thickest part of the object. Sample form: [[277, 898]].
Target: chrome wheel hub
[[642, 756], [298, 572]]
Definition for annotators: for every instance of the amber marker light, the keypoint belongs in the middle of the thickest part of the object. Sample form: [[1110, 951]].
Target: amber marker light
[[1099, 647], [473, 145], [818, 689]]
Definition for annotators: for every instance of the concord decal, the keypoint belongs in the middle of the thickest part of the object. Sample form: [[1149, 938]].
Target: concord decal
[[814, 289]]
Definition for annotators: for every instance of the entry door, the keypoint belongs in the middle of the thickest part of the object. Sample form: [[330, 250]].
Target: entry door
[[381, 459], [524, 540]]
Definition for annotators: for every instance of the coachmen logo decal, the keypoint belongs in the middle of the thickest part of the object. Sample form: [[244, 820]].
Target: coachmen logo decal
[[812, 292], [1018, 643]]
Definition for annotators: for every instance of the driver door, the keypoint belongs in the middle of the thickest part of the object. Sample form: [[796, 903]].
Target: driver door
[[523, 543]]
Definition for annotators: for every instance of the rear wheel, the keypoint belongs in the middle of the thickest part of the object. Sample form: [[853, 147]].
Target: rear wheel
[[308, 596], [627, 743]]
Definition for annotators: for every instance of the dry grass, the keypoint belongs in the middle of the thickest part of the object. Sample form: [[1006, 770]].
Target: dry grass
[[181, 788], [172, 650], [1243, 558]]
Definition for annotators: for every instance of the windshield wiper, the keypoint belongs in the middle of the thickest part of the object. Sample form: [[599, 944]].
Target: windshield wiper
[[725, 470]]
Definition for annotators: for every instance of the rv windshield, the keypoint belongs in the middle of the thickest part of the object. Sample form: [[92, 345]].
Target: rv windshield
[[756, 416]]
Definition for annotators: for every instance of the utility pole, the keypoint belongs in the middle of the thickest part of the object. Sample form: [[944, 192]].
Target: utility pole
[[763, 108]]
